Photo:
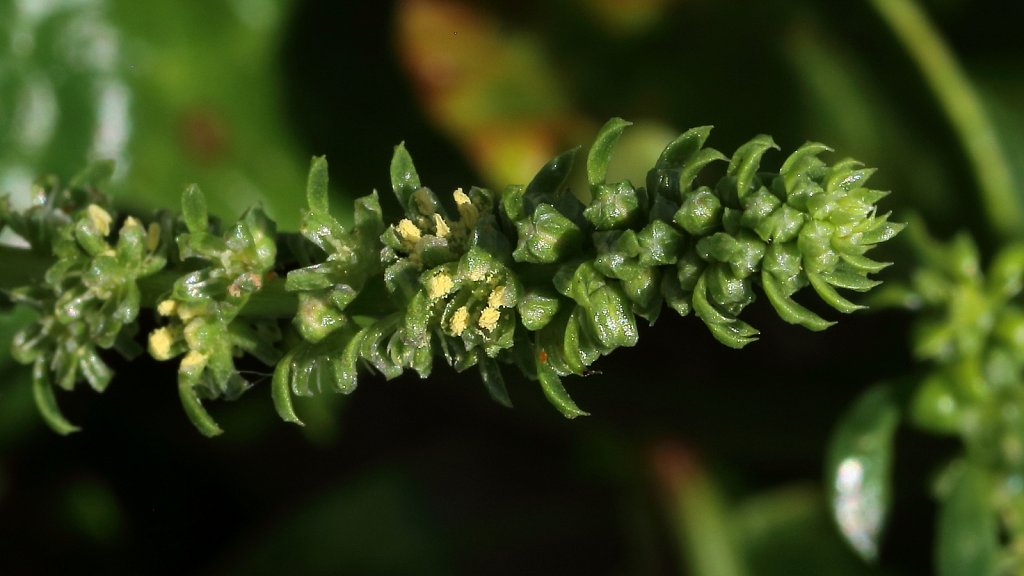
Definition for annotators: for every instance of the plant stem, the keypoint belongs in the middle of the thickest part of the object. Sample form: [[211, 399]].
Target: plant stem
[[22, 267], [699, 520], [964, 108]]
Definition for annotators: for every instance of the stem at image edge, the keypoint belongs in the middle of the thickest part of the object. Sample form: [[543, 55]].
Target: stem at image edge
[[964, 108]]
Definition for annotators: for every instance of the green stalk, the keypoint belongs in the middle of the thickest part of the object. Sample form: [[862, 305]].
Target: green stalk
[[963, 106], [704, 539]]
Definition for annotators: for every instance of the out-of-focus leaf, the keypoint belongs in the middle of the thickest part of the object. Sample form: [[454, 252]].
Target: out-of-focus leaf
[[492, 90], [859, 469], [967, 538], [788, 532]]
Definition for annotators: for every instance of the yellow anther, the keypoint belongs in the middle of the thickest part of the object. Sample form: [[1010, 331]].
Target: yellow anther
[[489, 318], [153, 237], [497, 298], [467, 210], [187, 312], [408, 231], [441, 226], [194, 359], [129, 223], [460, 320], [100, 218], [160, 341], [167, 308], [439, 286]]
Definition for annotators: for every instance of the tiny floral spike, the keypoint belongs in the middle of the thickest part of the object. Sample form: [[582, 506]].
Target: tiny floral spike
[[530, 277]]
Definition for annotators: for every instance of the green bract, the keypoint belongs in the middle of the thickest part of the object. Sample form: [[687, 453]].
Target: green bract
[[530, 277]]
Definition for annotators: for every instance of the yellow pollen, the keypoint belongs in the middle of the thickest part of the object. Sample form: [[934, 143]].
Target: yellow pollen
[[489, 318], [497, 298], [193, 359], [100, 218], [460, 320], [187, 313], [408, 231], [477, 275], [466, 208], [441, 226], [153, 237], [167, 308], [439, 286], [160, 341], [129, 223]]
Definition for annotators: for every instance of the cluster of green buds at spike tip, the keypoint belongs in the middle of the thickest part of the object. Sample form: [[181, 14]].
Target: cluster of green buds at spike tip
[[530, 277]]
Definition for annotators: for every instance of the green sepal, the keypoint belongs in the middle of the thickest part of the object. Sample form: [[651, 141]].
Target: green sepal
[[404, 179], [788, 309], [660, 244], [281, 390], [613, 206], [745, 162], [316, 186], [608, 317], [193, 210], [553, 389], [195, 411], [601, 151], [859, 469], [346, 368], [680, 151], [549, 180], [830, 296], [490, 374], [700, 212], [46, 401], [728, 330], [546, 237], [537, 308]]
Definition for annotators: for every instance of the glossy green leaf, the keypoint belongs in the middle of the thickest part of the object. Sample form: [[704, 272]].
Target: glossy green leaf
[[859, 469]]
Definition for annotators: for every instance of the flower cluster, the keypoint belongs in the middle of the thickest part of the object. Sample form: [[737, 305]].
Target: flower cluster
[[203, 307], [89, 298]]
